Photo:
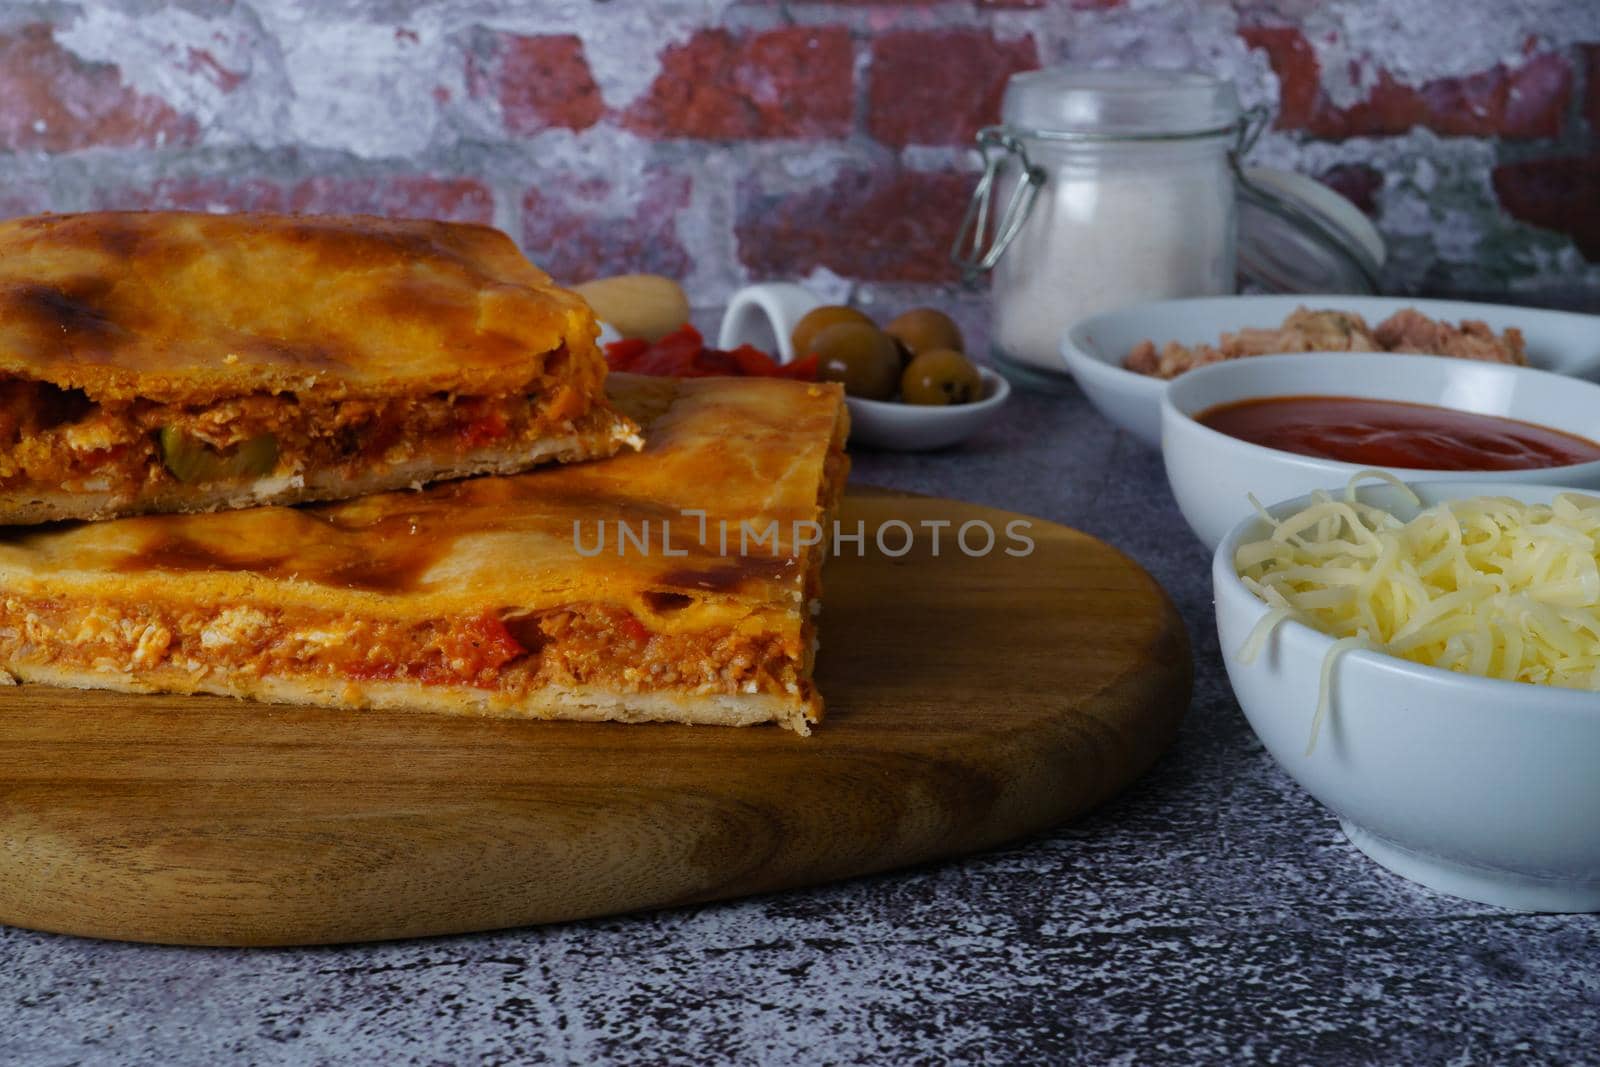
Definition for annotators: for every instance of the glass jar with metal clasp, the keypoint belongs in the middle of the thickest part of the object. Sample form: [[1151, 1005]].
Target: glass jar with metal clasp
[[1105, 188]]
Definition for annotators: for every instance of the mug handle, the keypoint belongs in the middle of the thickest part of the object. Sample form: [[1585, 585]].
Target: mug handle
[[764, 315]]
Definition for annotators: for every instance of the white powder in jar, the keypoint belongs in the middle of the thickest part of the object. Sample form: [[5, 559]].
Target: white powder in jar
[[1101, 237]]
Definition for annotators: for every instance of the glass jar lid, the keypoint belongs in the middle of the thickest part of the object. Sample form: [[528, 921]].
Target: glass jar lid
[[1120, 103], [1298, 236]]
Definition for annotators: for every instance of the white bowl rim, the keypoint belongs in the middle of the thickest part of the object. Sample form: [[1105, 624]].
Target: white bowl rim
[[1079, 358], [1075, 350], [1262, 365], [1226, 576], [996, 390]]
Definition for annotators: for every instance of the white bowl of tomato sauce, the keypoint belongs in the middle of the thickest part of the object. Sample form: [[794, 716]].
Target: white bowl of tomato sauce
[[1278, 427]]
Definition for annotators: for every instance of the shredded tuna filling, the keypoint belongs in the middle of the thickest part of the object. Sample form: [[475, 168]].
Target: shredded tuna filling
[[1305, 330], [57, 438], [591, 645]]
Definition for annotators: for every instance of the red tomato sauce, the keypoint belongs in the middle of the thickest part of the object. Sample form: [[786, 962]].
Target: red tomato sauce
[[1391, 433]]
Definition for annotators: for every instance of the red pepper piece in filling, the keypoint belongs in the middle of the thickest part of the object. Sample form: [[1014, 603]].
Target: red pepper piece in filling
[[492, 641], [634, 629], [483, 430], [472, 651]]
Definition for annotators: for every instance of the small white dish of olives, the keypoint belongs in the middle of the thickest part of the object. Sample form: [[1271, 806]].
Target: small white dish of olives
[[916, 428], [909, 385]]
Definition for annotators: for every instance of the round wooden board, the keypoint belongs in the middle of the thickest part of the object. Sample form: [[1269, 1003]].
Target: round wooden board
[[970, 701]]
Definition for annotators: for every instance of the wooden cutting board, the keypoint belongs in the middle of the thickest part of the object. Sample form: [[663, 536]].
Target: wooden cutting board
[[970, 701]]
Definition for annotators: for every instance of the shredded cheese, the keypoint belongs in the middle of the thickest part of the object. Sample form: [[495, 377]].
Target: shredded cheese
[[1487, 585]]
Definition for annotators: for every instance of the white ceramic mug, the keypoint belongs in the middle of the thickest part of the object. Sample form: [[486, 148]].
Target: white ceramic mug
[[764, 315]]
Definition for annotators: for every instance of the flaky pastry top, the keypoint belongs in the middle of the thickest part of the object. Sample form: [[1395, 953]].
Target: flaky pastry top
[[187, 307]]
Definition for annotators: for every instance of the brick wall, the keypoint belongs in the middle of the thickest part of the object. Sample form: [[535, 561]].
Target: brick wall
[[722, 142]]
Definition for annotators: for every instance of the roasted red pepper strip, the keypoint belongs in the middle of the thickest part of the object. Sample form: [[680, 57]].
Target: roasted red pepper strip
[[683, 354], [622, 355], [803, 369], [754, 362]]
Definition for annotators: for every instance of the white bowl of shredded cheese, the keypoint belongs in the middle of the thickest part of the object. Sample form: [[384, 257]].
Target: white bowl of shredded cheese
[[1213, 474], [1348, 626]]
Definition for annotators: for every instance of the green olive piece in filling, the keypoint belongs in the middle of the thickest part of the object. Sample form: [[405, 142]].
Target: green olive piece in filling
[[192, 461]]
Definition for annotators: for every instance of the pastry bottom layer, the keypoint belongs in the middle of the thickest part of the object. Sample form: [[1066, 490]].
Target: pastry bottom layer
[[526, 664]]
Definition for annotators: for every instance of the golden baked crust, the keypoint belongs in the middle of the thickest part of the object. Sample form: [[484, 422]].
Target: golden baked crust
[[179, 306], [496, 585], [367, 349]]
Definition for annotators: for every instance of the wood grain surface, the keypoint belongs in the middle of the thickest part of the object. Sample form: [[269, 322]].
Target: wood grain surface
[[970, 701]]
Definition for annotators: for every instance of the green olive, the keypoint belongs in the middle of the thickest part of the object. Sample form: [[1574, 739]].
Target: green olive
[[924, 329], [906, 355], [192, 461], [941, 376], [816, 320], [862, 357]]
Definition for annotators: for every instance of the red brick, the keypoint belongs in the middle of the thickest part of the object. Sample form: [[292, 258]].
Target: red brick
[[541, 83], [205, 64], [1536, 97], [1356, 182], [582, 229], [1591, 105], [1075, 5], [1525, 102], [52, 101], [197, 194], [408, 196], [401, 196], [792, 82], [940, 86], [881, 225], [1299, 73], [1556, 194]]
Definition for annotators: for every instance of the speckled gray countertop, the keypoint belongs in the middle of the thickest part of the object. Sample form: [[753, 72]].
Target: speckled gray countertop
[[1213, 913]]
